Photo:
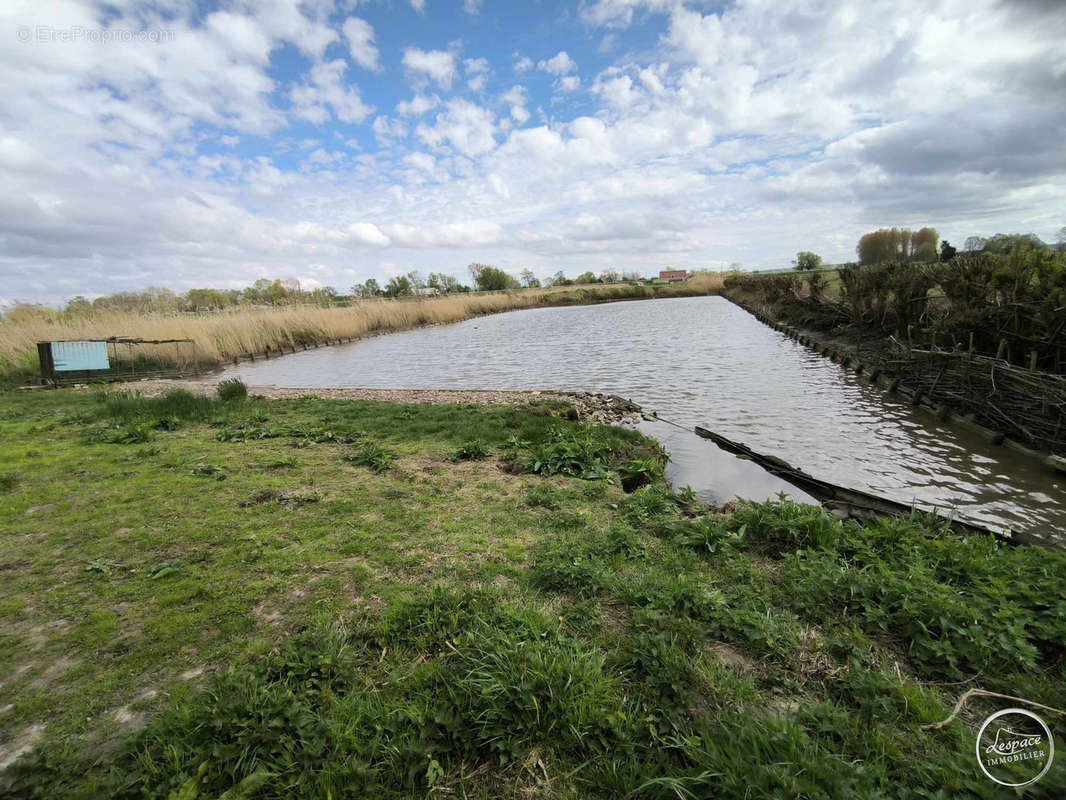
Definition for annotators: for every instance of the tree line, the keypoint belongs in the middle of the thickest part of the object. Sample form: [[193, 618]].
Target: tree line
[[283, 291], [902, 245]]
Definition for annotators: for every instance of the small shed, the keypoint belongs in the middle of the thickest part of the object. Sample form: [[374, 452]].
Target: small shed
[[673, 275], [116, 358]]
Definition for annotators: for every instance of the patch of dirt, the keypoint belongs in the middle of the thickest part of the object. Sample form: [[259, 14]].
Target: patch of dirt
[[55, 669], [502, 582], [192, 674], [21, 743], [39, 635], [812, 658], [616, 618], [289, 500], [271, 616], [43, 509], [730, 657]]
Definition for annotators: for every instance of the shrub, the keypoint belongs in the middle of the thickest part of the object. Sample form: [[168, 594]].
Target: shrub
[[8, 481], [231, 389]]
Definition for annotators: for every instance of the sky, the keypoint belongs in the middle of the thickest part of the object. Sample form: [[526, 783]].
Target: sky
[[187, 144]]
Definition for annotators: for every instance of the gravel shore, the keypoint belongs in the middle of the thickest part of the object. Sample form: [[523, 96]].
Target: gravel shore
[[594, 407]]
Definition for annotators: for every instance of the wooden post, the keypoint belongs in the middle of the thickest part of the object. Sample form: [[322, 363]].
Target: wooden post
[[1001, 349], [971, 343], [1032, 360]]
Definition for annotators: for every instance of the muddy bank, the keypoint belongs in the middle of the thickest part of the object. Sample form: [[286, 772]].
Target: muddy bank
[[593, 407]]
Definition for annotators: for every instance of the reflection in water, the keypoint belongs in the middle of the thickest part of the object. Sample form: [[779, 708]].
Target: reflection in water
[[704, 361]]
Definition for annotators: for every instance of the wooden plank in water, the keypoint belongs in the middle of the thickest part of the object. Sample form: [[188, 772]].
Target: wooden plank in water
[[853, 503]]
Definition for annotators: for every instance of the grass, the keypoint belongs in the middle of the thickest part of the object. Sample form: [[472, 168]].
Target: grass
[[221, 337], [467, 627]]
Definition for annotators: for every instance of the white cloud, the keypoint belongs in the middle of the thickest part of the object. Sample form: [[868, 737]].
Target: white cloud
[[523, 64], [418, 5], [559, 64], [439, 65], [472, 6], [326, 88], [464, 126], [620, 13], [388, 130], [417, 105], [360, 36], [477, 71], [569, 83]]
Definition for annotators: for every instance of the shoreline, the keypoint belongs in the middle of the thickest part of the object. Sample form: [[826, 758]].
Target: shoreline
[[593, 407]]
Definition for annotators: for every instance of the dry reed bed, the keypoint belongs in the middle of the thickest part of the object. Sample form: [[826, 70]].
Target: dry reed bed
[[226, 335]]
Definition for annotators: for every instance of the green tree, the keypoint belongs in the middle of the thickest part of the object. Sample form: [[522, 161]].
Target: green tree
[[807, 260], [399, 286], [369, 288], [923, 244], [445, 284], [947, 252], [492, 279], [586, 277], [1004, 243], [529, 280]]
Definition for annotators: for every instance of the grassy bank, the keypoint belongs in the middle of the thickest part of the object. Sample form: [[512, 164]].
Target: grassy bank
[[222, 336], [322, 598]]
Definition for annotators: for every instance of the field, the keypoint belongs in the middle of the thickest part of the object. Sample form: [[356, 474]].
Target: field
[[220, 337], [326, 598]]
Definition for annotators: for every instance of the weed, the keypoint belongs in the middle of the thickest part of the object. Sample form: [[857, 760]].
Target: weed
[[209, 471], [118, 434], [545, 496], [231, 389], [8, 481], [371, 454], [580, 452], [101, 566], [639, 472], [284, 462], [166, 569], [649, 503], [474, 450]]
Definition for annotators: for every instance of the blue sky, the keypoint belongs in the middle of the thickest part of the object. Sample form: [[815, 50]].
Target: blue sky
[[183, 144]]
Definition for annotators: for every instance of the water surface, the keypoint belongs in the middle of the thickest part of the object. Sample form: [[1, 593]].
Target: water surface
[[704, 361]]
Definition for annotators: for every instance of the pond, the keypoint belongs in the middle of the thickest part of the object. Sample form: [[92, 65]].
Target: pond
[[704, 361]]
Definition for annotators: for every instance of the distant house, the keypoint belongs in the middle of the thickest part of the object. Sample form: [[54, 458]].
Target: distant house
[[673, 275]]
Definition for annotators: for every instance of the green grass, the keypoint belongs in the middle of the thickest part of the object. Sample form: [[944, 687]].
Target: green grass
[[505, 623]]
